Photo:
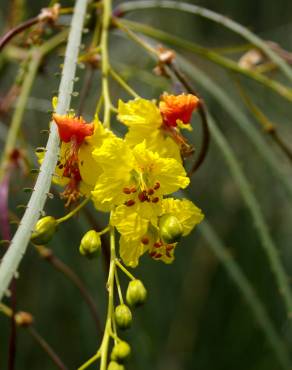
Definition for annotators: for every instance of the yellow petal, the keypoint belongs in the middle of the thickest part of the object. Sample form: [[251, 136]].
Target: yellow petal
[[128, 222], [167, 171], [131, 250], [140, 113], [186, 212]]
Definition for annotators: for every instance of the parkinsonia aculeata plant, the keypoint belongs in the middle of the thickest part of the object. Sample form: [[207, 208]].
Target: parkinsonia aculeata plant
[[131, 178]]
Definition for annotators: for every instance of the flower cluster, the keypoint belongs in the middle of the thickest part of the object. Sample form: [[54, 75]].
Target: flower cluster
[[133, 177]]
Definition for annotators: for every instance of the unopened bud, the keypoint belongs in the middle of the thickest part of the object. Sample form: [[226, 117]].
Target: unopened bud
[[44, 230], [136, 293], [23, 318], [90, 244], [123, 316], [113, 365], [170, 229], [121, 351]]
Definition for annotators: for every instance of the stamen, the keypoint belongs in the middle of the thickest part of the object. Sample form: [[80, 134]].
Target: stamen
[[127, 190], [150, 192], [145, 240], [130, 202], [155, 200], [156, 186]]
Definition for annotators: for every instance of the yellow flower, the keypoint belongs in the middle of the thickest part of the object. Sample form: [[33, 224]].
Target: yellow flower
[[145, 123], [159, 127], [76, 170], [135, 177], [139, 235]]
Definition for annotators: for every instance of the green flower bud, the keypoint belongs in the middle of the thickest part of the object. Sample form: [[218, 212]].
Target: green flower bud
[[121, 351], [90, 244], [123, 316], [44, 230], [113, 365], [170, 229], [136, 293]]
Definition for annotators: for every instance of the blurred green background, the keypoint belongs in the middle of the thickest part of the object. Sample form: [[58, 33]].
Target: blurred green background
[[195, 317]]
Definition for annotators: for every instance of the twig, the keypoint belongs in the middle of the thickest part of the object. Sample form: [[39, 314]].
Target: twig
[[248, 293], [203, 115], [226, 63], [16, 30], [216, 17], [267, 125], [73, 277], [256, 213], [36, 203], [46, 347], [240, 119]]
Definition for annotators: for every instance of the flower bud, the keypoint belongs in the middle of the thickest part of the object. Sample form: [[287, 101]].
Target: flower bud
[[23, 318], [44, 230], [136, 293], [121, 351], [123, 316], [113, 365], [170, 229], [90, 244]]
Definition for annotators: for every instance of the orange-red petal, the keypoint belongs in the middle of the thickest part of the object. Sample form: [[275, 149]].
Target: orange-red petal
[[73, 128], [175, 108]]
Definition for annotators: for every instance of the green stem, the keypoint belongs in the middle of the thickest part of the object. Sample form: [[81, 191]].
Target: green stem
[[216, 17], [229, 64], [36, 203], [74, 211], [123, 83], [254, 208], [105, 66], [119, 287], [110, 287], [125, 271], [248, 292]]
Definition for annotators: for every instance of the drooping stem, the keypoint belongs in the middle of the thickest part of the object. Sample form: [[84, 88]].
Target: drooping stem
[[215, 17], [248, 292], [267, 243], [7, 311], [226, 63], [36, 203], [59, 265]]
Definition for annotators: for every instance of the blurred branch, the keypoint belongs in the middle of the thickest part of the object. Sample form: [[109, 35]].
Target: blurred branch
[[226, 63], [36, 56], [264, 121], [239, 118], [216, 17], [59, 265], [203, 115], [248, 293], [256, 213], [36, 203], [25, 320]]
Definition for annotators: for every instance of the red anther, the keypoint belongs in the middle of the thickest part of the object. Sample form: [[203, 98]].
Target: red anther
[[133, 189], [156, 186], [168, 254], [158, 255], [127, 190], [169, 247], [150, 192], [157, 244], [145, 240], [142, 196], [155, 200], [152, 254], [130, 202]]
